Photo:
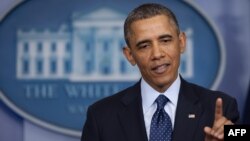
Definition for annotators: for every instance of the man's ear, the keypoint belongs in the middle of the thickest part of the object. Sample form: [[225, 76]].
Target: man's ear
[[128, 54], [182, 38]]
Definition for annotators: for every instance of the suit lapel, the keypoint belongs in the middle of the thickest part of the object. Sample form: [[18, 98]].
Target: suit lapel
[[131, 116], [187, 113]]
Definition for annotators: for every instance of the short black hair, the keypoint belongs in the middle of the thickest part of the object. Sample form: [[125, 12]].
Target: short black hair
[[145, 11]]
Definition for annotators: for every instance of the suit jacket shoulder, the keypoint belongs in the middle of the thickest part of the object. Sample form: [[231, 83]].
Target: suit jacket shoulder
[[117, 100], [208, 97], [196, 109], [116, 118]]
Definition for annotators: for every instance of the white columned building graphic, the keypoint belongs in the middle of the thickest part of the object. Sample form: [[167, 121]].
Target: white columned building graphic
[[98, 41], [87, 49], [43, 55]]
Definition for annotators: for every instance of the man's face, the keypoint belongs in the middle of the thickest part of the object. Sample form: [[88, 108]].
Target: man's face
[[155, 47]]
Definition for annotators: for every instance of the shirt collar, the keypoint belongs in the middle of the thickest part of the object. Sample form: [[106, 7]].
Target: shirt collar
[[149, 94]]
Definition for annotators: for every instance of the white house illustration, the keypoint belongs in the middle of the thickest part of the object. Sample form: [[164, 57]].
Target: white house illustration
[[88, 49]]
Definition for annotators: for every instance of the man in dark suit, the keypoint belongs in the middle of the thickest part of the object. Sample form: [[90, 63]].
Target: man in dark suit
[[155, 44]]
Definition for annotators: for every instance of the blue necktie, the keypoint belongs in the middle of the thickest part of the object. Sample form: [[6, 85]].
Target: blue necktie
[[161, 126]]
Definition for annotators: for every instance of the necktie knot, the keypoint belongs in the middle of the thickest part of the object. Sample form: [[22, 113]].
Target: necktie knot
[[161, 101]]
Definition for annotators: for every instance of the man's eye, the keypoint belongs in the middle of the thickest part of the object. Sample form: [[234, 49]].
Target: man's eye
[[143, 46], [166, 40]]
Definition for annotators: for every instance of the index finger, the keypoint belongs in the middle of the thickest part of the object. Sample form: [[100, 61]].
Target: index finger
[[218, 109]]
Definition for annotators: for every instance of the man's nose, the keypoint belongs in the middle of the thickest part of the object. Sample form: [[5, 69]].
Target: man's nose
[[157, 52]]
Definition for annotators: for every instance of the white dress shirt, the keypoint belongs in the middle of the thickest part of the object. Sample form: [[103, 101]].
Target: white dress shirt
[[149, 95]]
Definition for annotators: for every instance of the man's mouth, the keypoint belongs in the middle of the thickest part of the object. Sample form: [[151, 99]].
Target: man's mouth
[[160, 68]]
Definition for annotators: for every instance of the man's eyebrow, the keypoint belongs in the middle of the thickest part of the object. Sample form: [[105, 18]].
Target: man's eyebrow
[[165, 36]]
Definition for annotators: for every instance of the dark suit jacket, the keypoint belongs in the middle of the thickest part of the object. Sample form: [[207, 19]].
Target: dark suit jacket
[[120, 117]]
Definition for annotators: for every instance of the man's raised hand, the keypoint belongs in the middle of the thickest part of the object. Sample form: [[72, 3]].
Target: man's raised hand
[[216, 133]]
